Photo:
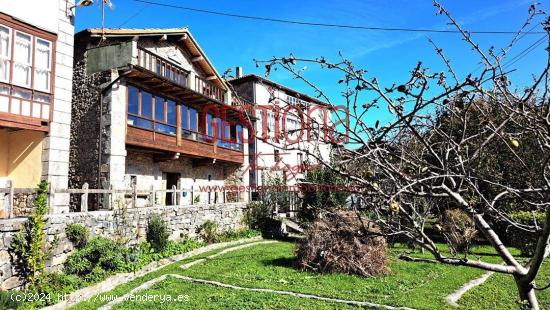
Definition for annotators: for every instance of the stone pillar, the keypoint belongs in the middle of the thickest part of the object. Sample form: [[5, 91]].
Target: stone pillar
[[55, 152], [115, 128]]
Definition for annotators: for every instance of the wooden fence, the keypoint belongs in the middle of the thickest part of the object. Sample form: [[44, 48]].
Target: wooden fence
[[8, 193]]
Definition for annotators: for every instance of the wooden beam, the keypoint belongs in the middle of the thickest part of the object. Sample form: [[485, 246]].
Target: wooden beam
[[197, 58], [211, 77], [164, 37], [183, 37]]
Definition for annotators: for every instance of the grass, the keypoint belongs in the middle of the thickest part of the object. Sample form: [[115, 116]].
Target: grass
[[416, 285], [499, 292], [210, 297]]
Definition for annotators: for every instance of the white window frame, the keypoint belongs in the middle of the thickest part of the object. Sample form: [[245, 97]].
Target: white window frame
[[49, 69], [8, 56], [30, 66]]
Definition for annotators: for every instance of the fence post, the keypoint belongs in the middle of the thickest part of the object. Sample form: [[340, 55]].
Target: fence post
[[84, 198], [173, 196], [111, 198], [152, 196], [134, 196], [11, 186], [224, 196], [192, 194]]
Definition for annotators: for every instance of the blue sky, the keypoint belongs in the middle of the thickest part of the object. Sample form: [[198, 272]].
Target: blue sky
[[390, 56]]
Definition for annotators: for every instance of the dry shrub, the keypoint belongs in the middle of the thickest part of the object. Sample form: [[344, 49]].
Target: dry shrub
[[460, 229], [340, 242]]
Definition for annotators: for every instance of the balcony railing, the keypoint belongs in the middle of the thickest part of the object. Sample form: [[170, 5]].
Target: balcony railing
[[201, 137], [208, 89], [162, 67]]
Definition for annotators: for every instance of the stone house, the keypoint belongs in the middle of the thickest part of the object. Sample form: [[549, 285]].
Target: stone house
[[289, 130], [36, 62], [151, 111]]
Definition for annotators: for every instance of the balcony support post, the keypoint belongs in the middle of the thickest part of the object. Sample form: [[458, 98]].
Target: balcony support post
[[178, 124]]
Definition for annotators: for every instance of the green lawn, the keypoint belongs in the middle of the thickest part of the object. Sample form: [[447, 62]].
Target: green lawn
[[416, 285]]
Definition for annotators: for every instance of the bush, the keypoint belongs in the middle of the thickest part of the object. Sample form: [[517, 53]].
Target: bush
[[236, 235], [459, 229], [320, 193], [77, 234], [157, 233], [525, 241], [340, 243], [28, 249], [256, 215], [98, 252], [209, 231]]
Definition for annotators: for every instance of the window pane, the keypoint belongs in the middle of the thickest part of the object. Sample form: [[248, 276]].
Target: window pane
[[169, 130], [159, 109], [171, 112], [43, 54], [209, 125], [184, 117], [22, 59], [139, 122], [42, 59], [5, 49], [239, 130], [146, 104], [133, 95], [193, 119]]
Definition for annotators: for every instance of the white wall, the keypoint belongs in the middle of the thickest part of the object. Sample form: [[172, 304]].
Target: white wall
[[288, 153], [39, 13]]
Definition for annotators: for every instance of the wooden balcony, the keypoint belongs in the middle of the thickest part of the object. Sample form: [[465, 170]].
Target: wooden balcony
[[208, 89], [191, 144]]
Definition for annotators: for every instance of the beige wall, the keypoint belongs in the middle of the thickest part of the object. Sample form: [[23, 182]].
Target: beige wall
[[21, 156]]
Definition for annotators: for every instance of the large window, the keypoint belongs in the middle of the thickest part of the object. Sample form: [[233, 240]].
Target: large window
[[189, 121], [139, 108], [25, 71], [140, 111]]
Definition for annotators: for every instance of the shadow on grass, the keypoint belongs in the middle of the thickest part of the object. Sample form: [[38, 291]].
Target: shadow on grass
[[287, 262]]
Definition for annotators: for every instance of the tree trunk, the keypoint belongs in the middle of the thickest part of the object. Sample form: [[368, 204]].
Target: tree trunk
[[527, 293]]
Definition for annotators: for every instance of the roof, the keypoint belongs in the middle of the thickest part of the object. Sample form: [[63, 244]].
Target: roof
[[293, 92], [184, 34]]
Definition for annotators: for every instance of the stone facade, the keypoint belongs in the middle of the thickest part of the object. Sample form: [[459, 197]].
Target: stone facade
[[130, 224]]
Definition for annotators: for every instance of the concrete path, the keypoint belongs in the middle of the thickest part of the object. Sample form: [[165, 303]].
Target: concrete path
[[453, 298]]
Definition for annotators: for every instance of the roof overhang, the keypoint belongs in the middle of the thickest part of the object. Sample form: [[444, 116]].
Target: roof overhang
[[179, 35]]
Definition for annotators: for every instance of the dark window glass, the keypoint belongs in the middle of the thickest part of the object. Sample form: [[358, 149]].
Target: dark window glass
[[239, 133], [159, 109], [209, 129], [193, 120], [184, 117], [219, 127], [133, 95], [171, 112], [146, 104]]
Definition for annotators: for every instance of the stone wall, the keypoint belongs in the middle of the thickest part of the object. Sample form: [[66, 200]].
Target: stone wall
[[129, 223], [85, 127]]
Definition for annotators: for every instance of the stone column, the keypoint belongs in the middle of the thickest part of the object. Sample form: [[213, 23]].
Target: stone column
[[55, 152]]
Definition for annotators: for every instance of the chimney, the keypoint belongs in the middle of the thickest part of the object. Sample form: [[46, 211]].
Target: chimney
[[238, 72]]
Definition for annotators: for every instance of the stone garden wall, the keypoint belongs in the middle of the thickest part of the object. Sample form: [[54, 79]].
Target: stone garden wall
[[129, 224]]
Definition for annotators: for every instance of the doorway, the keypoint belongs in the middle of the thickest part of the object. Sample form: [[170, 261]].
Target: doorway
[[172, 179]]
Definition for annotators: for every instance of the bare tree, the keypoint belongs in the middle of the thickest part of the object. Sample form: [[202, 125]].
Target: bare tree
[[438, 144]]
